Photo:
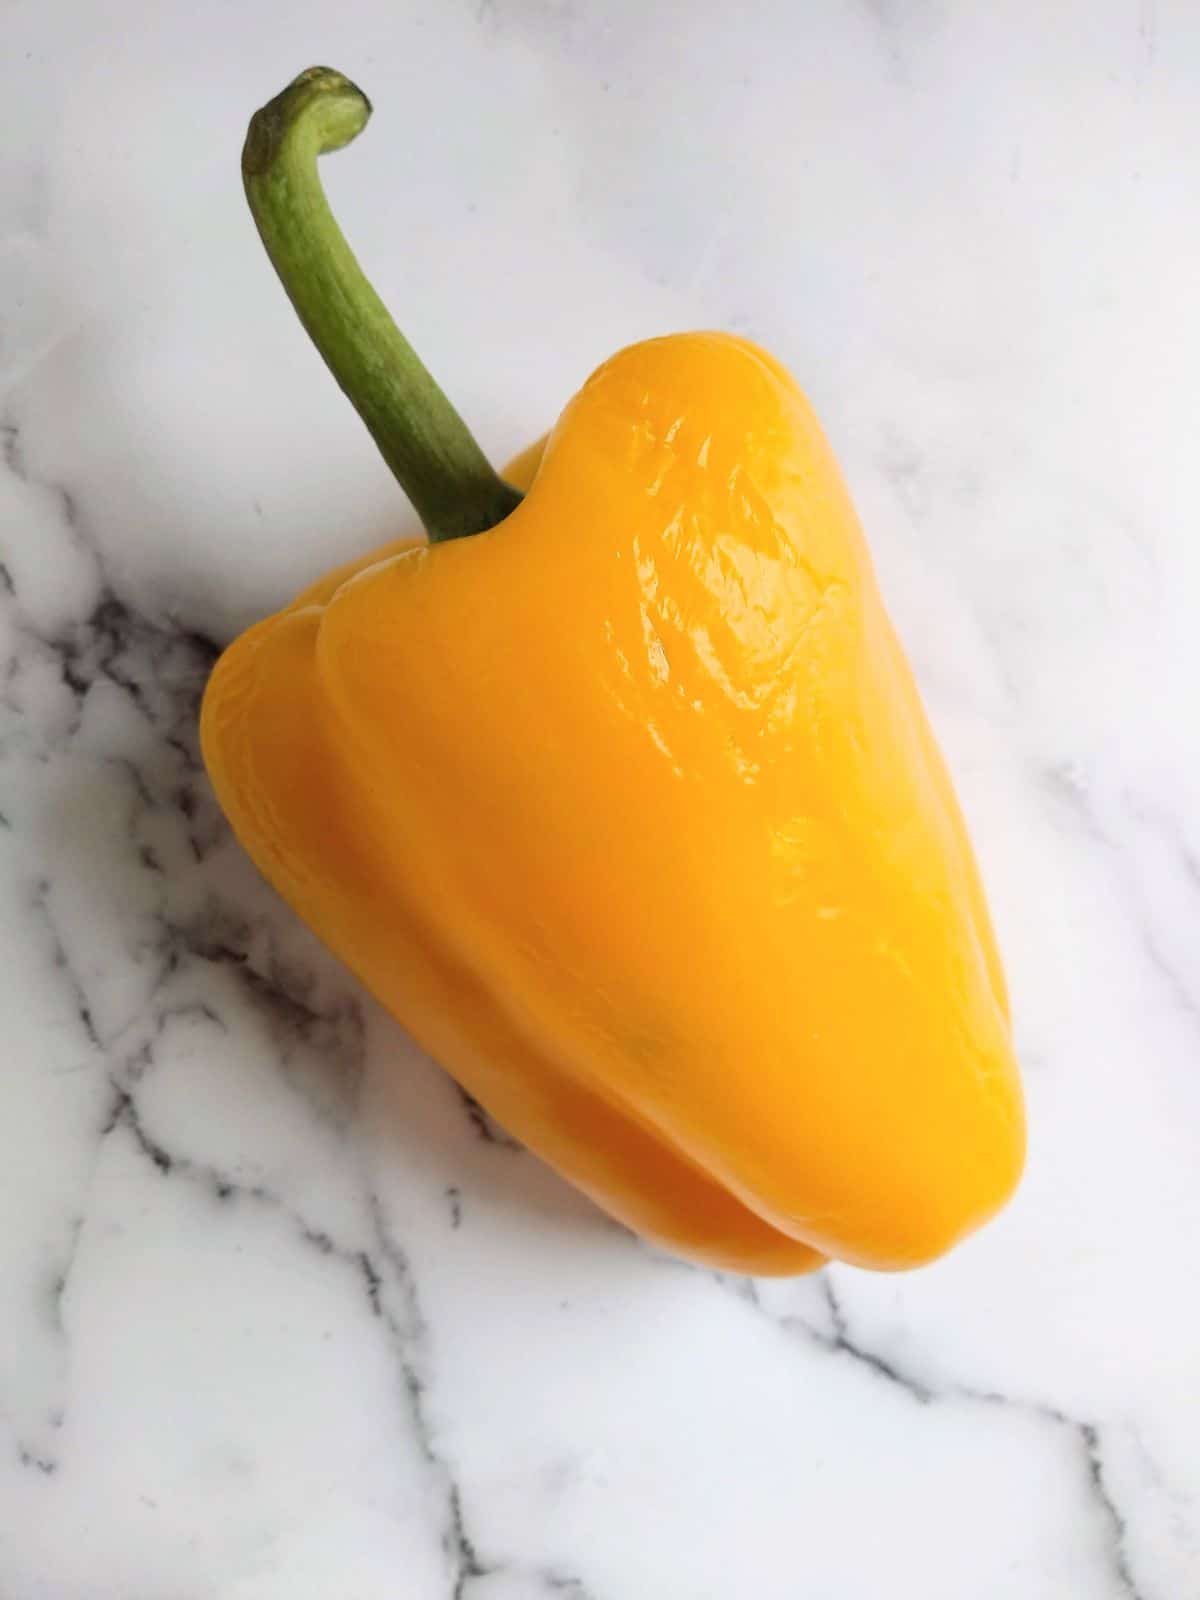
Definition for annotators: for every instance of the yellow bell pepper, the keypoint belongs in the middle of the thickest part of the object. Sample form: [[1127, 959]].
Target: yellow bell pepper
[[619, 794]]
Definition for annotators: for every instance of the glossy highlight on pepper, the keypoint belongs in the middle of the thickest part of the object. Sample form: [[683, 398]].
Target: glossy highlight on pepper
[[619, 794]]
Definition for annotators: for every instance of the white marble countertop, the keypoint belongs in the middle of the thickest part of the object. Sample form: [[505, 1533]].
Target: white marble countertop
[[281, 1319]]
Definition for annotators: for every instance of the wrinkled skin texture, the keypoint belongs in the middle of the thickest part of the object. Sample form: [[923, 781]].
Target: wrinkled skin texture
[[628, 809]]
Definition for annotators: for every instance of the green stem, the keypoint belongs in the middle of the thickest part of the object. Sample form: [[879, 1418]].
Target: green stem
[[420, 435]]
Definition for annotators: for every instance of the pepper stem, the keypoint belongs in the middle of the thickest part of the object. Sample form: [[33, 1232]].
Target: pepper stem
[[422, 438]]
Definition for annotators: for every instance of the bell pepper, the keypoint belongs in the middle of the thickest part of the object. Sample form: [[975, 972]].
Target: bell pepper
[[616, 790]]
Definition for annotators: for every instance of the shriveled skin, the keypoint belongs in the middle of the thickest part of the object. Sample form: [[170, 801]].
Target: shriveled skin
[[628, 809]]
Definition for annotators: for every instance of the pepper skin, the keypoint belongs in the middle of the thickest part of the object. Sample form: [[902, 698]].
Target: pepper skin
[[627, 808]]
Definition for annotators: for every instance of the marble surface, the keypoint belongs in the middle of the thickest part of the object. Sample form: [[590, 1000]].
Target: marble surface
[[282, 1316]]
